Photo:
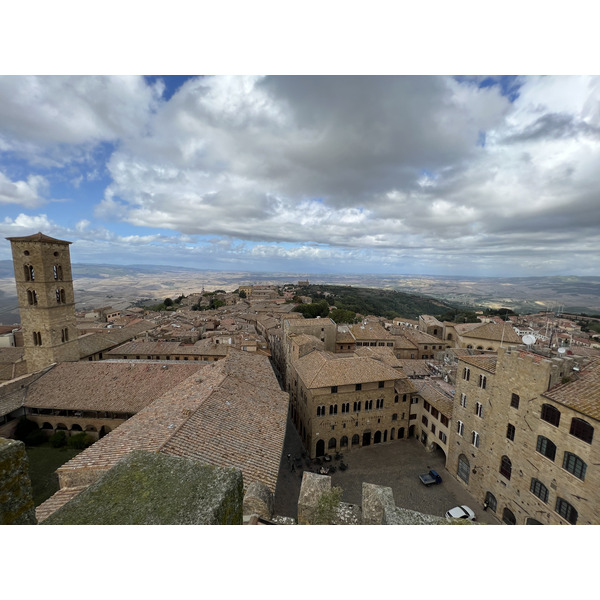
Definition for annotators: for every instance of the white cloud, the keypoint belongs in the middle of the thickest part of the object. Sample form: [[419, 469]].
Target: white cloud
[[381, 169], [28, 194]]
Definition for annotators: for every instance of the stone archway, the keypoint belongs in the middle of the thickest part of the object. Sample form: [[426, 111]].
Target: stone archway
[[377, 437], [320, 449], [104, 430], [366, 438]]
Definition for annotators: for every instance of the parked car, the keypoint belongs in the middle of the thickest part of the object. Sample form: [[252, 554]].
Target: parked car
[[430, 478], [461, 512]]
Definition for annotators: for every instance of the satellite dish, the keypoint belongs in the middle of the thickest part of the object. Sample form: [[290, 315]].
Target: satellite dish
[[529, 339], [562, 350]]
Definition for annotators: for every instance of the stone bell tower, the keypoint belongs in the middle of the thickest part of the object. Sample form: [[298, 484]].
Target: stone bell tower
[[46, 301]]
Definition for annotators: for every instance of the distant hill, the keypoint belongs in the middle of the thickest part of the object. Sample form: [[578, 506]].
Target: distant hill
[[375, 301]]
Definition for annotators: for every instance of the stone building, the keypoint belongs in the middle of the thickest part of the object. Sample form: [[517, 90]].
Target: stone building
[[522, 440], [340, 401], [42, 267]]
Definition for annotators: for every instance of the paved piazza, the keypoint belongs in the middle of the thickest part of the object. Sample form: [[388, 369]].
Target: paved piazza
[[394, 464]]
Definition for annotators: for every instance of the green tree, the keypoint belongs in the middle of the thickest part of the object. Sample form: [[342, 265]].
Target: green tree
[[242, 294], [168, 302], [339, 315]]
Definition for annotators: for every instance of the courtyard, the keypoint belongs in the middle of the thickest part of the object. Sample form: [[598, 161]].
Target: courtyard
[[395, 464]]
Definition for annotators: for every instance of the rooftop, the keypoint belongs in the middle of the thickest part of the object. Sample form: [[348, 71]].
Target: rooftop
[[99, 385], [581, 394], [320, 369]]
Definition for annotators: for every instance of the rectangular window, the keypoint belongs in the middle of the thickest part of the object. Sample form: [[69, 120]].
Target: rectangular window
[[463, 400], [426, 405], [414, 401], [444, 421], [358, 387], [479, 409], [433, 429], [412, 417], [510, 432], [334, 389], [424, 420], [442, 436], [435, 412], [460, 429], [514, 401], [475, 439], [381, 384]]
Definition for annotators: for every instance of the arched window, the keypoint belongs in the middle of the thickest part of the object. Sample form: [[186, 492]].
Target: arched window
[[505, 467], [464, 468], [546, 447], [332, 444], [550, 414], [491, 501], [65, 334], [566, 511], [29, 273], [37, 338], [573, 464], [344, 442], [582, 429], [466, 373], [482, 381], [538, 489], [355, 439], [32, 297], [508, 517], [57, 272]]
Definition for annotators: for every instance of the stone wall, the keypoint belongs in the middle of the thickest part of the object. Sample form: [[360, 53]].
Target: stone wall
[[16, 501]]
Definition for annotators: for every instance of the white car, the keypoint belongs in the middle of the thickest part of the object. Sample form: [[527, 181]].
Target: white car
[[461, 512]]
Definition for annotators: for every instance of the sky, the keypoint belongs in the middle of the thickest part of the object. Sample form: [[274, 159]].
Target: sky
[[439, 175]]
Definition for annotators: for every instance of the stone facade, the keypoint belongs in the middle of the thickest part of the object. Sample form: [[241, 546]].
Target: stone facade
[[16, 500], [342, 402], [42, 267], [512, 445]]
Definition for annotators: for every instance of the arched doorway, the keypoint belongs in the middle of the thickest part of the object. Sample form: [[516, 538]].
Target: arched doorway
[[366, 438], [76, 427], [392, 434], [401, 433], [320, 448], [377, 437], [411, 431], [332, 444], [355, 439], [104, 430]]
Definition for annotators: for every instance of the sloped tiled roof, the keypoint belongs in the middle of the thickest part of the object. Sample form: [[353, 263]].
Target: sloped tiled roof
[[320, 369], [246, 394], [582, 394], [98, 342], [370, 331], [105, 386], [37, 237], [487, 362], [494, 332], [435, 396]]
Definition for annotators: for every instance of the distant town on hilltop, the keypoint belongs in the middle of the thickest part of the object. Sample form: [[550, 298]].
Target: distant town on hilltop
[[341, 400]]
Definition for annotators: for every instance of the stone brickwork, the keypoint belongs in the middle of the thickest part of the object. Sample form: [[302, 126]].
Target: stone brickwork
[[258, 500], [378, 506], [516, 462], [146, 488], [16, 501]]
